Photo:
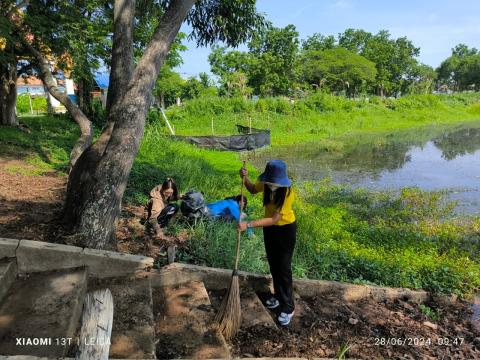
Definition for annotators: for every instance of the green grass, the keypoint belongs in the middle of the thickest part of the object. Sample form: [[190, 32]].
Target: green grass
[[321, 117], [407, 239], [432, 314], [46, 146]]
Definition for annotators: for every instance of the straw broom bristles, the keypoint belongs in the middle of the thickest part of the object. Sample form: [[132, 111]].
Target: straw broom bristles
[[229, 315]]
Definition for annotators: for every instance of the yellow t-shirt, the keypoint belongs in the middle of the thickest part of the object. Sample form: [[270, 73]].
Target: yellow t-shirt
[[286, 211]]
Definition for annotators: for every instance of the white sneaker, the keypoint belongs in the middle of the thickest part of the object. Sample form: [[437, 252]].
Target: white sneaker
[[272, 303], [284, 318]]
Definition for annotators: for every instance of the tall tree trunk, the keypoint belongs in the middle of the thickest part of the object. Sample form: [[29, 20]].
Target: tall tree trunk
[[8, 94], [50, 110], [84, 97], [94, 207], [122, 65]]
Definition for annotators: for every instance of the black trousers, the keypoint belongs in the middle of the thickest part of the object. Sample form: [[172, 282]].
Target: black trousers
[[279, 245], [166, 214]]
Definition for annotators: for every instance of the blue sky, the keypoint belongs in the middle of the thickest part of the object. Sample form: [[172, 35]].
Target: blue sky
[[433, 25]]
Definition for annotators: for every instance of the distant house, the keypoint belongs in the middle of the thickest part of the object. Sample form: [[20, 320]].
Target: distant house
[[100, 90], [31, 85], [34, 86]]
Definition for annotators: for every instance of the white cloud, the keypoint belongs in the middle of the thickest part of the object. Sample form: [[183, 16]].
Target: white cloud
[[341, 4]]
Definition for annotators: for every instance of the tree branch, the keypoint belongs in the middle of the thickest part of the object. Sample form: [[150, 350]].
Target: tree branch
[[148, 67], [78, 116]]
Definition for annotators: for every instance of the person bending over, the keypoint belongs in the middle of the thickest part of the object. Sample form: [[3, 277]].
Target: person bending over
[[228, 208], [160, 207]]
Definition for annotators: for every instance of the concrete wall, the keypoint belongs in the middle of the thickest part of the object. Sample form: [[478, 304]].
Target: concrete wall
[[220, 278], [34, 256]]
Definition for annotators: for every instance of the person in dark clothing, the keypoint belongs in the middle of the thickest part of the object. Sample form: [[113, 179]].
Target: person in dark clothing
[[279, 232]]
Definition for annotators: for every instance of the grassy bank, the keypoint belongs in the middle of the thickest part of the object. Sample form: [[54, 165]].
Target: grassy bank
[[344, 234], [320, 117]]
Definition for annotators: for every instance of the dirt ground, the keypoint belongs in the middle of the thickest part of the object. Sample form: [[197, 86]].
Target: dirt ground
[[369, 330], [29, 209], [29, 204]]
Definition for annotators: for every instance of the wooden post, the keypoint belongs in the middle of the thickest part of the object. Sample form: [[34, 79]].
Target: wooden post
[[171, 253], [250, 124], [30, 101], [213, 132], [96, 330], [172, 132]]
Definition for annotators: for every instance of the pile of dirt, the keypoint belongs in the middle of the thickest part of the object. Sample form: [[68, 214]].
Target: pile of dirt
[[369, 330]]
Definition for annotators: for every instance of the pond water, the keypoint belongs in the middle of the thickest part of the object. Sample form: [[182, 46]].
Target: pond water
[[430, 158]]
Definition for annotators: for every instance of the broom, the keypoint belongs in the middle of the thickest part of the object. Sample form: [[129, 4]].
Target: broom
[[229, 315]]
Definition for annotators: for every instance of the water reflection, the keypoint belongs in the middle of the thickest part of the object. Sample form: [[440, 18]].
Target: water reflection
[[458, 143], [431, 158]]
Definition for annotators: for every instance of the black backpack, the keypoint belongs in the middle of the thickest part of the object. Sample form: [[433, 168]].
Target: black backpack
[[193, 205]]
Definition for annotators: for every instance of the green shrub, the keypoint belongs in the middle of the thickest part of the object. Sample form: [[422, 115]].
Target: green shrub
[[39, 104]]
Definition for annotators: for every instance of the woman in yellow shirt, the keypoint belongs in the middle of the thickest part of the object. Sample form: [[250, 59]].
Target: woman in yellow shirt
[[279, 232]]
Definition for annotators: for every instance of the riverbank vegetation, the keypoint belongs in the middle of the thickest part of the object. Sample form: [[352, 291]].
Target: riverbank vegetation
[[319, 116]]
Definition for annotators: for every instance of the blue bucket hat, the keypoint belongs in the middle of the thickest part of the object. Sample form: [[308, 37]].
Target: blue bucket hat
[[276, 173]]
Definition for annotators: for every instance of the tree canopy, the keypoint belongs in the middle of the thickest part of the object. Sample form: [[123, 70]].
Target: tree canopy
[[276, 64], [461, 71]]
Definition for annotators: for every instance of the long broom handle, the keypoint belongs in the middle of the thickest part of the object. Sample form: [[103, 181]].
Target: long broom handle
[[239, 233]]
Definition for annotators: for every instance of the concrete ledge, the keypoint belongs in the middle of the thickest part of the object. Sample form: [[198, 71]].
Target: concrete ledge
[[36, 256], [8, 247], [103, 263], [33, 256], [8, 273], [214, 278]]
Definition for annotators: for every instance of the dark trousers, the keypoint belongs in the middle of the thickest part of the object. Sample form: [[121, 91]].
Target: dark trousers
[[279, 244]]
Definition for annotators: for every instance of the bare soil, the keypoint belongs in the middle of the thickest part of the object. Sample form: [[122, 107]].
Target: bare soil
[[369, 329], [29, 205]]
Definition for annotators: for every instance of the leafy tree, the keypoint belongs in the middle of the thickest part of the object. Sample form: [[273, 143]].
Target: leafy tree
[[460, 70], [270, 65], [13, 62], [319, 42], [224, 63], [169, 86], [98, 179], [338, 69], [236, 85], [206, 80], [393, 58], [274, 54], [192, 88], [469, 72], [462, 51], [422, 80]]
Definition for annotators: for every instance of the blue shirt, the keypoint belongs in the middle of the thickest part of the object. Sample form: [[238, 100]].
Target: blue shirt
[[225, 208]]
